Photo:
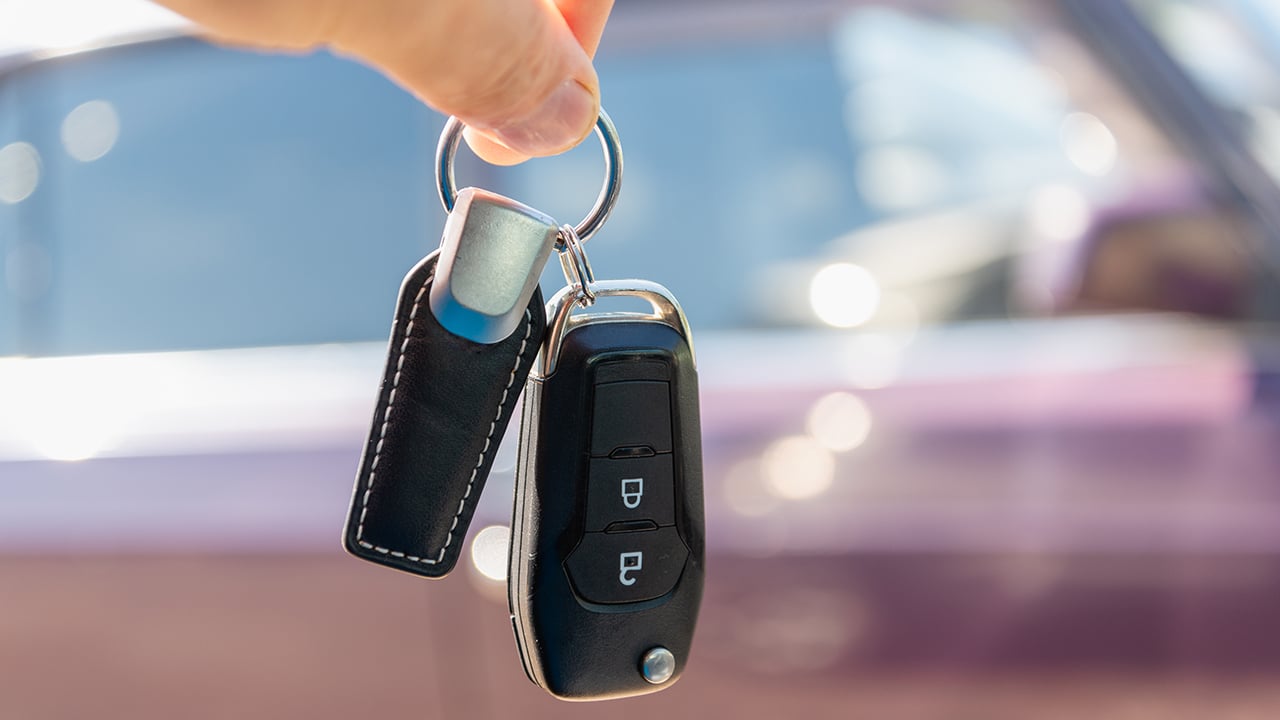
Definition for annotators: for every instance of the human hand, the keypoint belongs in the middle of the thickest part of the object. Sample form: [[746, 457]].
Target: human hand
[[518, 73]]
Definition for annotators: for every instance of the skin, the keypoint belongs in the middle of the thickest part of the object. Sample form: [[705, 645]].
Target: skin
[[517, 72]]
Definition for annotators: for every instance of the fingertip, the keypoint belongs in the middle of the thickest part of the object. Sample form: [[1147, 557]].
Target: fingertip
[[490, 149], [559, 123]]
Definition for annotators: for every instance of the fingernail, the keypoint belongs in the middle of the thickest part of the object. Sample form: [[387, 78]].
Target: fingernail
[[562, 121]]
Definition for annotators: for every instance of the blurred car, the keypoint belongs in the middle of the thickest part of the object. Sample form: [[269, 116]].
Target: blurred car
[[982, 299]]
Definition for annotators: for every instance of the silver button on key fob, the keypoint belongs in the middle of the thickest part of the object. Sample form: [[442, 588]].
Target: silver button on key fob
[[607, 551]]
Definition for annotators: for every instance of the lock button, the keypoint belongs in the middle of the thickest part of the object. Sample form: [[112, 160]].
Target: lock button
[[630, 489], [616, 568], [630, 415]]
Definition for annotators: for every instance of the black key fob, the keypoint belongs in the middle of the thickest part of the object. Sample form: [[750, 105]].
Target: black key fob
[[607, 557]]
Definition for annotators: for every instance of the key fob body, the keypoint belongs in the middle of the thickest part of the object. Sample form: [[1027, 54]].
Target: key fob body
[[607, 557]]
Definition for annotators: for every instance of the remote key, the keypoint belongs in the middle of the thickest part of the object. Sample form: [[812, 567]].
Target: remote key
[[607, 555]]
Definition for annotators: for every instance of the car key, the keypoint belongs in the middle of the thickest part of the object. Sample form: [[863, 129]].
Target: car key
[[607, 558]]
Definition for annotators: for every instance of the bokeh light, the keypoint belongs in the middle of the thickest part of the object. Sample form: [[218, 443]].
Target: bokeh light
[[844, 295], [798, 467], [19, 172], [489, 552], [1088, 143], [90, 130], [840, 421]]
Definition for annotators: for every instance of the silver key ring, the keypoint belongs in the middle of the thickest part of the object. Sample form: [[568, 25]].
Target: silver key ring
[[576, 266], [447, 184]]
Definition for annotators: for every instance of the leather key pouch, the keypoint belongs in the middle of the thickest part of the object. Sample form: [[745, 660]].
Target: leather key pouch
[[443, 407]]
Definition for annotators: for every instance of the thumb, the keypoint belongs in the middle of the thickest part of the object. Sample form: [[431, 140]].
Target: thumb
[[510, 69]]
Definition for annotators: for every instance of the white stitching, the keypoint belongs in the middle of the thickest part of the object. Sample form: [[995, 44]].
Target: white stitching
[[493, 426], [386, 419]]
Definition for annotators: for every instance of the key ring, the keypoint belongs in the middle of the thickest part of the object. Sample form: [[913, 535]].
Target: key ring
[[447, 184], [576, 266]]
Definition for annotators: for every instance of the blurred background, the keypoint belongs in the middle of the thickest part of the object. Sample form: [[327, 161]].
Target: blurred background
[[985, 300]]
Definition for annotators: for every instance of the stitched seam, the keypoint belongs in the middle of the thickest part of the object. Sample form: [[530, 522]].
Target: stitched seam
[[386, 419], [382, 433], [493, 426]]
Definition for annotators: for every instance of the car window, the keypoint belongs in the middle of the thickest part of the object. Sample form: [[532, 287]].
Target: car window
[[195, 197], [802, 169]]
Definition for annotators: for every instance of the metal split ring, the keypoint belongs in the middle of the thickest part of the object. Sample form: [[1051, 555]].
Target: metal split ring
[[447, 184], [576, 266]]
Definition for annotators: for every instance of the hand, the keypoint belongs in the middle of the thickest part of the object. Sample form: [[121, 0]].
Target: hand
[[517, 72]]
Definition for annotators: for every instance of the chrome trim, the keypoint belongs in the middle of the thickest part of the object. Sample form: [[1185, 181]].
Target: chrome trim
[[560, 318]]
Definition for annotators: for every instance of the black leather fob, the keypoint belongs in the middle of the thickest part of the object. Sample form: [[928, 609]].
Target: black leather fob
[[443, 407]]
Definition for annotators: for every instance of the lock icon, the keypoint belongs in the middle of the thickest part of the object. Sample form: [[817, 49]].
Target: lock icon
[[632, 492]]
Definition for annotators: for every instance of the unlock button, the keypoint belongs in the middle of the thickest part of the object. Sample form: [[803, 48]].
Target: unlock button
[[612, 568], [629, 489]]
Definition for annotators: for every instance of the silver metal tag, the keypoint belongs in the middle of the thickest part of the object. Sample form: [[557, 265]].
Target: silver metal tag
[[491, 257]]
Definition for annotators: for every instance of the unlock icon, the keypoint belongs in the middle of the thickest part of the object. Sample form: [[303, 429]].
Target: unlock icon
[[629, 562], [632, 492]]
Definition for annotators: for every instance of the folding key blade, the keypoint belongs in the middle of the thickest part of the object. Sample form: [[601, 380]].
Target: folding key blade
[[491, 256]]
